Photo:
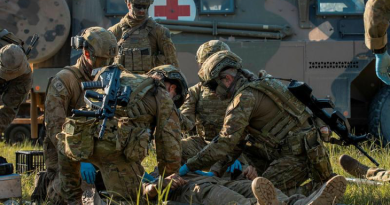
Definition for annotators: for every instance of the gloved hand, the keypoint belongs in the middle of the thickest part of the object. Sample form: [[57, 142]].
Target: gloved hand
[[207, 174], [88, 172], [381, 67], [184, 170], [148, 178], [235, 165]]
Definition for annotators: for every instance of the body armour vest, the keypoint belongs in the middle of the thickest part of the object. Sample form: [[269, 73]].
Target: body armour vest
[[291, 116], [210, 113], [135, 52]]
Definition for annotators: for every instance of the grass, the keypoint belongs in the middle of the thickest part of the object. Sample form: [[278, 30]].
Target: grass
[[357, 194]]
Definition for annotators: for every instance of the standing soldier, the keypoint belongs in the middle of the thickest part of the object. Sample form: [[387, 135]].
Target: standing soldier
[[376, 22], [143, 43], [15, 82], [65, 93], [281, 131], [119, 153]]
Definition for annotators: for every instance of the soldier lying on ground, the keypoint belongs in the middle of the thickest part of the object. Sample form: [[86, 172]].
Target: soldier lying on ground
[[197, 189], [356, 169], [284, 138], [376, 22], [64, 93], [15, 78], [119, 153], [205, 110]]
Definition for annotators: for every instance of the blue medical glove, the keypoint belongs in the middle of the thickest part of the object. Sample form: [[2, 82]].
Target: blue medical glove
[[207, 174], [381, 67], [88, 172], [148, 178], [183, 170], [235, 165]]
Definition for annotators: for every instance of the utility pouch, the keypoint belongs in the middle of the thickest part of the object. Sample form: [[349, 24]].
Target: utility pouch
[[317, 154], [295, 140], [78, 137], [137, 147]]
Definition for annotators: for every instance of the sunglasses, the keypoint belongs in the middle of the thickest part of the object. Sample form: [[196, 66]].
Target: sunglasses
[[140, 6]]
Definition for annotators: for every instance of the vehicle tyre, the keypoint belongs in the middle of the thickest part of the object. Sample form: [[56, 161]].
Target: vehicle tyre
[[379, 115], [17, 133]]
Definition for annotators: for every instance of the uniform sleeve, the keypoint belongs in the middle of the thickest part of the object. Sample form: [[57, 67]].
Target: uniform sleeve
[[236, 120], [117, 31], [166, 46], [376, 22], [188, 109], [56, 104], [167, 135], [13, 97]]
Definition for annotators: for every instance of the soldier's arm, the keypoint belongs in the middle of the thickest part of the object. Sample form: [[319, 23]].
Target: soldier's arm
[[167, 135], [117, 31], [236, 120], [376, 22], [13, 97], [166, 46], [56, 108], [188, 109]]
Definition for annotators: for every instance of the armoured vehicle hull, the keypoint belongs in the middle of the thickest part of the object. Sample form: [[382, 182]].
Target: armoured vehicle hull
[[318, 41]]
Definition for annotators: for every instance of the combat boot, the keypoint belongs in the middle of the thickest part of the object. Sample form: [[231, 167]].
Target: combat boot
[[329, 193], [264, 192], [353, 167]]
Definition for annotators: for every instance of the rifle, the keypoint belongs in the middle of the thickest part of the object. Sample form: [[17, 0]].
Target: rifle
[[336, 121], [31, 45], [114, 94]]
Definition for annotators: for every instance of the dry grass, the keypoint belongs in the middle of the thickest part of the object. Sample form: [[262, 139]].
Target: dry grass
[[358, 194]]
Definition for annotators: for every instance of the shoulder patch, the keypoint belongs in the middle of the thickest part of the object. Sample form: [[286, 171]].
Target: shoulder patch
[[58, 85]]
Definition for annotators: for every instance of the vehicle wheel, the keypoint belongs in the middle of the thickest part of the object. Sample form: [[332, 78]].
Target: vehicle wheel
[[41, 135], [17, 133], [379, 115]]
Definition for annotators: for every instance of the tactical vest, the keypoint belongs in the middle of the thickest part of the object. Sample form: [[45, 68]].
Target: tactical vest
[[135, 52], [210, 113], [291, 116]]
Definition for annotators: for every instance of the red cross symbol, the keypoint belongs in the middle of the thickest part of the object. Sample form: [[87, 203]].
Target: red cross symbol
[[172, 10]]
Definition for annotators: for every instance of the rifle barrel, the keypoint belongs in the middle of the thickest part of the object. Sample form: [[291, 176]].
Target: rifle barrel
[[367, 155]]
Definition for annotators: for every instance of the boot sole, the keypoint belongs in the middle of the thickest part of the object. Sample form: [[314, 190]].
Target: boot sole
[[264, 192], [331, 193]]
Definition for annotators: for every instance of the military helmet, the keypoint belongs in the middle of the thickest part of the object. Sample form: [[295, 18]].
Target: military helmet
[[140, 1], [216, 63], [209, 48], [13, 62], [169, 72], [103, 42]]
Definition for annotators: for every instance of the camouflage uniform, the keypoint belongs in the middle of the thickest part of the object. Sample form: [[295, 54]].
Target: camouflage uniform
[[284, 144], [143, 43], [376, 22], [15, 82], [124, 145], [378, 174], [64, 93]]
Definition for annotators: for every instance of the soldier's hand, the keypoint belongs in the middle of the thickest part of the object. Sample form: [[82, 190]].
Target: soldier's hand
[[381, 67], [250, 173], [236, 165], [183, 170], [88, 172], [176, 180]]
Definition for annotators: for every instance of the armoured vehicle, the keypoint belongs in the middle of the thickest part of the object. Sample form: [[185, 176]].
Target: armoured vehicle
[[317, 41]]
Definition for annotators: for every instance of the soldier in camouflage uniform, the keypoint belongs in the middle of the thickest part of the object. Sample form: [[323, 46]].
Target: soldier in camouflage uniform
[[15, 82], [143, 43], [359, 170], [119, 154], [376, 22], [64, 93], [205, 110], [197, 189], [281, 131]]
